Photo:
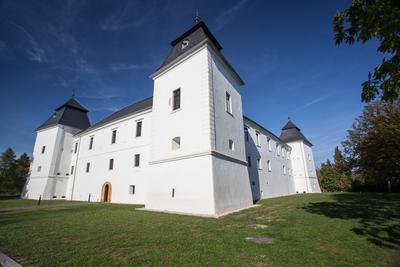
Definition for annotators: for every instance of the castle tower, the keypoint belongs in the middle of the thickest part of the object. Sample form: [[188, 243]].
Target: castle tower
[[304, 174], [49, 171], [197, 152]]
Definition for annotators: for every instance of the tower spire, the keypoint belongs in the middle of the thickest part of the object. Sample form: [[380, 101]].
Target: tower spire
[[196, 16]]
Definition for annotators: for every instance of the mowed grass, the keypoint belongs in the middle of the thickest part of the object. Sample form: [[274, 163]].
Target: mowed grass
[[307, 230], [17, 202]]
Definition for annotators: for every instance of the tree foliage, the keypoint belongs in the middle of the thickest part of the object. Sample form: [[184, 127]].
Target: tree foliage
[[335, 176], [13, 172], [373, 145], [374, 19]]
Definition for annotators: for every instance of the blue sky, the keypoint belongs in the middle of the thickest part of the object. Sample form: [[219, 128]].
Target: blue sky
[[105, 50]]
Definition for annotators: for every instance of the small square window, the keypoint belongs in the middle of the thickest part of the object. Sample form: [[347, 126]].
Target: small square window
[[258, 139], [269, 144], [176, 96], [132, 189], [138, 128], [176, 143], [137, 160], [43, 149], [39, 168], [269, 165]]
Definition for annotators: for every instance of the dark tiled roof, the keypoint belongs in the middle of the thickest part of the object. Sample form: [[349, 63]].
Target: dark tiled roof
[[70, 114], [262, 127], [72, 103], [126, 111], [194, 35], [291, 133]]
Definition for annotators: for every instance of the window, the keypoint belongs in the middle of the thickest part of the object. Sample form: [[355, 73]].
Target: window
[[249, 161], [246, 133], [309, 157], [114, 137], [269, 165], [137, 160], [91, 143], [72, 170], [176, 143], [231, 145], [39, 168], [228, 104], [283, 152], [173, 192], [138, 128], [88, 167], [277, 150], [132, 189], [111, 164], [284, 170], [176, 99], [76, 147], [43, 149], [259, 164], [258, 139], [269, 144]]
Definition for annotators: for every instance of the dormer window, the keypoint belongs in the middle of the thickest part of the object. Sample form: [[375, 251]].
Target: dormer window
[[185, 43]]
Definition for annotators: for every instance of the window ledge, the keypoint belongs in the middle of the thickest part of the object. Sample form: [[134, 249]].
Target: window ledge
[[176, 110]]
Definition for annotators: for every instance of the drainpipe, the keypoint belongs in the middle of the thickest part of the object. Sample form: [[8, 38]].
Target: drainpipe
[[76, 167]]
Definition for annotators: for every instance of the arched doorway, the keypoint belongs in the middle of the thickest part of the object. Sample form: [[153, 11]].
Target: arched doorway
[[106, 192]]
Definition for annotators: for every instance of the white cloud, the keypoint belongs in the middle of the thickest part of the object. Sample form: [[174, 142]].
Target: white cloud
[[226, 16], [116, 67]]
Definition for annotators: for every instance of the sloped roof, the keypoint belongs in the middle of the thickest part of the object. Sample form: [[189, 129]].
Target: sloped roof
[[71, 113], [124, 112], [194, 35], [291, 133], [72, 103]]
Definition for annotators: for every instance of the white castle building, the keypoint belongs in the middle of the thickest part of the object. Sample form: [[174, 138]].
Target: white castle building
[[187, 149]]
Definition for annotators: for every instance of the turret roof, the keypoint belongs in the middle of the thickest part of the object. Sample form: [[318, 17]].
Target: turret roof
[[290, 133]]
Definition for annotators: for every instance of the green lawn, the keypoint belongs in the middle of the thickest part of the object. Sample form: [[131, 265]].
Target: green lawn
[[307, 230], [16, 202]]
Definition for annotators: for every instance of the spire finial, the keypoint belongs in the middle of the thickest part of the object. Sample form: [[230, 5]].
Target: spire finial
[[196, 16], [73, 93], [288, 118]]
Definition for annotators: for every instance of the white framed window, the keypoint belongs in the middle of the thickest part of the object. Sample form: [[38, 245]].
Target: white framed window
[[43, 149], [87, 167], [259, 165], [228, 103], [76, 147], [114, 136], [278, 148], [91, 142], [309, 157], [39, 168], [139, 128], [72, 170], [269, 144], [176, 143], [111, 164], [131, 189], [231, 145], [284, 170], [176, 99], [137, 160], [269, 165], [283, 152], [258, 139]]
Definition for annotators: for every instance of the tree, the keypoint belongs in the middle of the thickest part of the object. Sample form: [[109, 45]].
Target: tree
[[335, 176], [7, 171], [374, 19], [22, 172], [373, 146]]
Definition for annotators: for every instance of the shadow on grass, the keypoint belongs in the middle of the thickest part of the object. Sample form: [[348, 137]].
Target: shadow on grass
[[378, 215]]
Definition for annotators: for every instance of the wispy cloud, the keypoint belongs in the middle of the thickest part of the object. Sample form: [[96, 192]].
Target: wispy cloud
[[130, 16], [116, 67], [226, 16], [316, 101]]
